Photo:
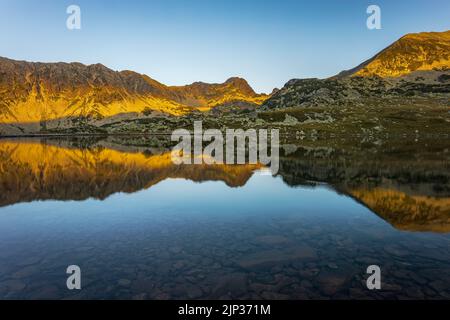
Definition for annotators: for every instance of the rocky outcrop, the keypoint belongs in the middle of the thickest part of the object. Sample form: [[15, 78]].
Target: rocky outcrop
[[360, 90]]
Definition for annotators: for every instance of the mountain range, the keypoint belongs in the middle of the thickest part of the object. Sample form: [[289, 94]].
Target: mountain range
[[417, 65], [34, 95], [31, 92]]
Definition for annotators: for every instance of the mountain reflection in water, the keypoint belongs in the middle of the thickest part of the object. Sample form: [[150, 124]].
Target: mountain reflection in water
[[410, 192], [141, 227]]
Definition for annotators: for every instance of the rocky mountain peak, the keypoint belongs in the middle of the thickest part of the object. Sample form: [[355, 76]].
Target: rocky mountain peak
[[413, 52]]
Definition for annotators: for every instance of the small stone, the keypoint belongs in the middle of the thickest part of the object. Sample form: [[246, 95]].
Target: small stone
[[232, 284], [396, 250], [306, 284], [28, 261], [140, 296], [414, 293], [25, 272], [124, 282], [272, 240], [390, 287], [143, 284], [184, 290], [178, 265], [13, 285], [277, 257], [175, 250], [259, 287], [366, 260], [274, 296], [308, 273], [439, 285], [50, 292], [194, 292], [331, 282]]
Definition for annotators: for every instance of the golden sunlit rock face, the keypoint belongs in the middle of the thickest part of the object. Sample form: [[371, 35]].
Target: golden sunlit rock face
[[413, 52], [35, 171], [36, 92]]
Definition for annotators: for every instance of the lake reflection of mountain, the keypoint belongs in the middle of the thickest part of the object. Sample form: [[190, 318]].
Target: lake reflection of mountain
[[141, 227], [408, 187], [34, 171]]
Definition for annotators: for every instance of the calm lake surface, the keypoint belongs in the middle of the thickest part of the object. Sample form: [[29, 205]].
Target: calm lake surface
[[140, 227]]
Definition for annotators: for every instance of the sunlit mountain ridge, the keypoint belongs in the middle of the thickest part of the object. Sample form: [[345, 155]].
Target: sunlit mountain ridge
[[423, 51], [71, 98], [38, 92]]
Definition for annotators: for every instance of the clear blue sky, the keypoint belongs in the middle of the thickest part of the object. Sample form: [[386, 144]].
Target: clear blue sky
[[182, 41]]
